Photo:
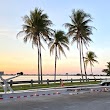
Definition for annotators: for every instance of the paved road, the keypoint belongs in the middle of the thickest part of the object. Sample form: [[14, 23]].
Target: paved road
[[88, 101]]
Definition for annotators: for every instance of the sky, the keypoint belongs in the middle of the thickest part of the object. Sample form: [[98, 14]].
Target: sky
[[16, 56]]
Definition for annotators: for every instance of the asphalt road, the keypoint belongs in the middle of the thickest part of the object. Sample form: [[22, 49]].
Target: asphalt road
[[87, 101]]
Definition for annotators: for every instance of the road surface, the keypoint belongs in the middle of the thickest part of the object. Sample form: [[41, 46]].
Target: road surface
[[87, 101]]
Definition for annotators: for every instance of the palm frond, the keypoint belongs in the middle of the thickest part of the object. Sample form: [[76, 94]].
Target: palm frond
[[90, 57], [36, 25], [79, 28], [52, 49], [59, 40]]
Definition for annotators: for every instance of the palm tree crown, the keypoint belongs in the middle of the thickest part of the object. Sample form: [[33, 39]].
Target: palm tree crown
[[36, 26], [79, 28], [90, 58], [108, 69], [59, 41]]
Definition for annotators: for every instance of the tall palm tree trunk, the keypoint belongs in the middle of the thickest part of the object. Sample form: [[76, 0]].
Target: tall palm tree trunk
[[55, 63], [83, 61], [38, 67], [80, 60], [92, 72], [40, 57]]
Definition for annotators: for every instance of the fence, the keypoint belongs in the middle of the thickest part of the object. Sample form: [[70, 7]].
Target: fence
[[50, 81]]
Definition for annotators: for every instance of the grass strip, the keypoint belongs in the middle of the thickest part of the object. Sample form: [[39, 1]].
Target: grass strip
[[38, 86]]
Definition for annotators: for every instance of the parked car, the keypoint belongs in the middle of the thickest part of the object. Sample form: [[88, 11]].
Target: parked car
[[105, 83]]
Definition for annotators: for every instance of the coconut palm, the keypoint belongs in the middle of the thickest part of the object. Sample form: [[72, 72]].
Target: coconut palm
[[107, 70], [57, 43], [91, 59], [80, 31], [36, 28]]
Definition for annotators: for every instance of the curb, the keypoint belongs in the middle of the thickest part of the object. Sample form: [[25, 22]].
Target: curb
[[53, 92]]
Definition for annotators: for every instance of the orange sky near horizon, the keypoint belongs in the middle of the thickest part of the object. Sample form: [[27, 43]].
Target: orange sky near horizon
[[26, 61], [13, 64]]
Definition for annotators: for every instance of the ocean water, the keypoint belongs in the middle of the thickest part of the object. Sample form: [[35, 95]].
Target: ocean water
[[35, 77]]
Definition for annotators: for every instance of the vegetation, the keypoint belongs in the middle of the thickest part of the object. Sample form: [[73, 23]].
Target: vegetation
[[38, 86], [90, 58], [107, 70], [36, 28], [57, 44], [80, 32]]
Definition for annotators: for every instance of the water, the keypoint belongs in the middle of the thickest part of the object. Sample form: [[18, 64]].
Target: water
[[29, 77]]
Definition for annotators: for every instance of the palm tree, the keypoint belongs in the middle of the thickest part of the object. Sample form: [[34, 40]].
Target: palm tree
[[108, 69], [80, 32], [57, 44], [90, 58], [36, 28]]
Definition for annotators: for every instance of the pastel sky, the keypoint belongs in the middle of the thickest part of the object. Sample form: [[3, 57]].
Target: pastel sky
[[16, 56]]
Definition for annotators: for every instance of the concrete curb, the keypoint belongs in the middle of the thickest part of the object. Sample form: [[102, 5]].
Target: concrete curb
[[53, 92]]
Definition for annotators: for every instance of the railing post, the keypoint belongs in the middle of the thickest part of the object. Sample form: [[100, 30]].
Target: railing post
[[60, 81], [31, 83], [11, 83], [80, 80], [100, 79], [88, 79], [71, 80], [47, 81]]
